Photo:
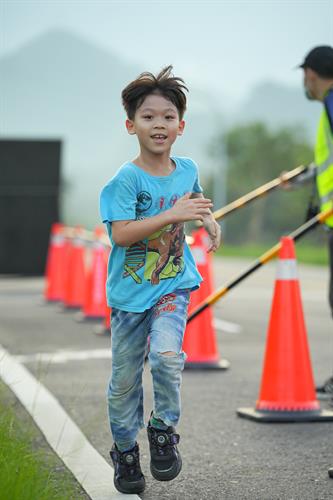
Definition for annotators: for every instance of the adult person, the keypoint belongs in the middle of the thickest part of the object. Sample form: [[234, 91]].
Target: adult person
[[318, 86]]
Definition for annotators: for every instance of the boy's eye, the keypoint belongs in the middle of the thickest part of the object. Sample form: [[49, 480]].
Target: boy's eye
[[148, 117], [170, 117]]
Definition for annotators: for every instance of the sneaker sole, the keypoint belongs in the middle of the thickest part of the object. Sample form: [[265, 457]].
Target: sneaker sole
[[168, 474], [136, 487]]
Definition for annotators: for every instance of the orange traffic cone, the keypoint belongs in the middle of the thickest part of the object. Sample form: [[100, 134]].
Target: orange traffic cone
[[64, 268], [95, 296], [200, 339], [54, 287], [105, 327], [287, 391], [107, 320], [75, 278]]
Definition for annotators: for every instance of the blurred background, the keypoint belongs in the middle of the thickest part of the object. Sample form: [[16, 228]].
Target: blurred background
[[63, 65]]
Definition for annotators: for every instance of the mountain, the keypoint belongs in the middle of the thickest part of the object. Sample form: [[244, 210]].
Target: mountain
[[60, 85], [279, 105]]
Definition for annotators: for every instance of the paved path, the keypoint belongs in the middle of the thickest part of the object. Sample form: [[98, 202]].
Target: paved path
[[225, 457]]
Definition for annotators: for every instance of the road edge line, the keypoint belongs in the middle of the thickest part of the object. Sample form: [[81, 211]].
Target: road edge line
[[87, 465]]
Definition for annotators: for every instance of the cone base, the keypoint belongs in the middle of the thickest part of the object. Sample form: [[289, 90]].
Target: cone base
[[222, 364], [71, 307], [52, 300], [285, 416], [80, 317], [101, 331]]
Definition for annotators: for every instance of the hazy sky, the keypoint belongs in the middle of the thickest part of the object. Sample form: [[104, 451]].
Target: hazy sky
[[223, 45]]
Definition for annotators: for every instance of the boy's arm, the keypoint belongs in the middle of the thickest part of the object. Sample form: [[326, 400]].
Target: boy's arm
[[212, 227], [125, 233]]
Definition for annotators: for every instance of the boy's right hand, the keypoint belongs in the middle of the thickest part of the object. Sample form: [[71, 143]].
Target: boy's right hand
[[187, 208]]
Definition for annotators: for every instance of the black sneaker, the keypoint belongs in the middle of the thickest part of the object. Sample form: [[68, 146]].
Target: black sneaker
[[325, 390], [128, 477], [165, 459]]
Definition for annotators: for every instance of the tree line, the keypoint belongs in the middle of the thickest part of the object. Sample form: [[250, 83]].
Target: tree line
[[254, 155]]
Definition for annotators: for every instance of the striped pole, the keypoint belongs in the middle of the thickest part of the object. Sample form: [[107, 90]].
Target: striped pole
[[263, 259], [260, 191]]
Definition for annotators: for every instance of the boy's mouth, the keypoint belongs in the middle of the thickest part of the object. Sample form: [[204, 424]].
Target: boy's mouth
[[159, 137]]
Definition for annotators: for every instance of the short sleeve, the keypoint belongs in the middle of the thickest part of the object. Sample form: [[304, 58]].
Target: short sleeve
[[197, 186], [118, 201]]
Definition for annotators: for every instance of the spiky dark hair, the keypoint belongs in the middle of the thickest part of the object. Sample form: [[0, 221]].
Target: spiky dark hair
[[165, 84]]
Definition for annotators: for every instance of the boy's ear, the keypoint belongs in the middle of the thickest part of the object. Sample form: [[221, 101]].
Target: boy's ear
[[181, 127], [130, 127]]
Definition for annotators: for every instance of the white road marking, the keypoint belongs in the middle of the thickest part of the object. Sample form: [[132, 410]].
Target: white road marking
[[226, 326], [64, 356], [86, 464]]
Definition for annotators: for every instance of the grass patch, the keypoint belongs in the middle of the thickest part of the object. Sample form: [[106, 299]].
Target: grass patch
[[29, 470], [307, 254]]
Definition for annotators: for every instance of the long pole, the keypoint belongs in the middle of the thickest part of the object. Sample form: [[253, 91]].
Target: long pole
[[260, 191], [263, 259]]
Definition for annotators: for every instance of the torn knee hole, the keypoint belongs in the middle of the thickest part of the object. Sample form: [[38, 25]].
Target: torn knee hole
[[168, 353]]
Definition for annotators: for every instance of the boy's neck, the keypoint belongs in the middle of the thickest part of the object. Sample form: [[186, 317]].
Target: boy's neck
[[154, 164]]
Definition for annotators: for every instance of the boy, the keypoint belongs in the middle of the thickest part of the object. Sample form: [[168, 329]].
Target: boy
[[150, 274]]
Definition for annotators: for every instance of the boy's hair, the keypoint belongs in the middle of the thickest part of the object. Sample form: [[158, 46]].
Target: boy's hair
[[164, 84]]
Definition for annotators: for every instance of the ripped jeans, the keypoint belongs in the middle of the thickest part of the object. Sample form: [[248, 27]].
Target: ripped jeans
[[165, 324]]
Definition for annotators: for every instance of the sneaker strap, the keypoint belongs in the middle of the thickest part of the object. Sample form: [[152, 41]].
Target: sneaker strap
[[163, 438]]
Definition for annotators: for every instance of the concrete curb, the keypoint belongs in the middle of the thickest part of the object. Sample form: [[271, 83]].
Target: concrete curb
[[63, 435]]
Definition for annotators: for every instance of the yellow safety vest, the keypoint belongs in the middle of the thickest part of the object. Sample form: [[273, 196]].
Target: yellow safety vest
[[324, 164]]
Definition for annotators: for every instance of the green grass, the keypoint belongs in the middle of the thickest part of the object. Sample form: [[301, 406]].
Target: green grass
[[28, 468], [305, 253]]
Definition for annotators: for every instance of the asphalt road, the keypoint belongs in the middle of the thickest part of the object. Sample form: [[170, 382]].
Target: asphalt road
[[224, 457]]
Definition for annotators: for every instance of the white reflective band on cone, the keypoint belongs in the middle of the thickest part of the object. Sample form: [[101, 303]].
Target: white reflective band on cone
[[98, 244], [77, 242], [57, 239], [287, 269], [199, 255]]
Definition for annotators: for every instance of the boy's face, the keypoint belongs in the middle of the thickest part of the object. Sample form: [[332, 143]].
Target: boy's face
[[157, 124]]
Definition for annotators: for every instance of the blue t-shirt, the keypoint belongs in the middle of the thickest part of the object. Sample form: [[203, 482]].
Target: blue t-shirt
[[140, 274]]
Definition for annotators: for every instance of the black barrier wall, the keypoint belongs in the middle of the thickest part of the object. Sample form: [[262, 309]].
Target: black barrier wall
[[29, 202]]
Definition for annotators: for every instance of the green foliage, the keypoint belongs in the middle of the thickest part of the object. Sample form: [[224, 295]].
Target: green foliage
[[29, 471], [305, 253], [254, 156]]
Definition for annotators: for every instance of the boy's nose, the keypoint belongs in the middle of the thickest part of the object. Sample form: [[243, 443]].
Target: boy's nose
[[159, 123]]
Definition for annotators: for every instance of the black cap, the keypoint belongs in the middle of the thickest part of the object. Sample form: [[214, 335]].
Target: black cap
[[320, 59]]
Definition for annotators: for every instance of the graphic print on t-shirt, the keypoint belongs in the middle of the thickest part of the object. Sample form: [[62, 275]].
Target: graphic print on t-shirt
[[161, 253], [165, 253], [135, 258]]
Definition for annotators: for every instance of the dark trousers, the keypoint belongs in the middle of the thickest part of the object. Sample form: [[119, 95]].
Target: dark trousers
[[330, 251]]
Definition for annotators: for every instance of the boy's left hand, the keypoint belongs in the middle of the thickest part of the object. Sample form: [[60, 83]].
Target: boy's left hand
[[214, 232]]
